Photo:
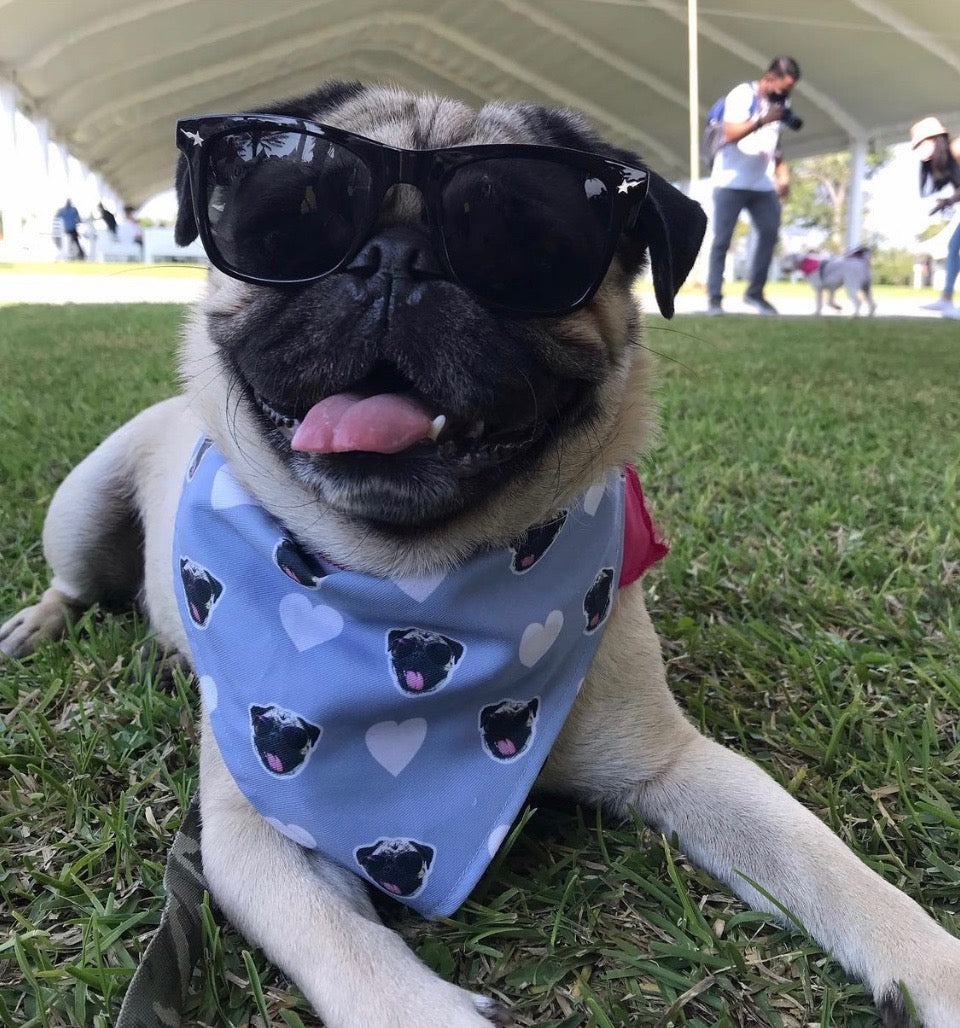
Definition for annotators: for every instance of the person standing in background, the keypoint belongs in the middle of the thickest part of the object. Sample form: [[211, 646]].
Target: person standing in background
[[749, 173], [129, 230], [940, 167], [70, 220], [108, 219]]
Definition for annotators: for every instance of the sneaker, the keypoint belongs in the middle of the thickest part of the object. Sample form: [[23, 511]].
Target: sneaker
[[941, 306], [760, 305], [714, 308], [953, 313]]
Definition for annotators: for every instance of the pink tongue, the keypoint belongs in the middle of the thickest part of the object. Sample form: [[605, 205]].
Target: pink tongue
[[506, 748], [387, 423], [414, 680]]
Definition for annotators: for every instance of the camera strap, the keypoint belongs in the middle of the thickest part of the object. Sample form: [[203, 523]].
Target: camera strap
[[159, 988]]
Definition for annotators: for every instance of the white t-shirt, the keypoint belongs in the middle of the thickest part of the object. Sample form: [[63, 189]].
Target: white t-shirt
[[748, 164], [129, 232]]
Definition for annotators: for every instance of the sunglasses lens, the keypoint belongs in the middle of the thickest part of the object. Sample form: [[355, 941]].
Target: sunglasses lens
[[283, 206], [529, 235]]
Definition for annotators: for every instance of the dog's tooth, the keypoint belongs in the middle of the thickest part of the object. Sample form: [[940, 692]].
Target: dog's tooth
[[436, 427]]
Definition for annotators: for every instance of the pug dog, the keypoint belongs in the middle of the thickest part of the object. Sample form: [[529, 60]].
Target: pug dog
[[506, 727], [421, 661], [283, 740], [417, 341], [596, 603], [399, 866], [202, 590]]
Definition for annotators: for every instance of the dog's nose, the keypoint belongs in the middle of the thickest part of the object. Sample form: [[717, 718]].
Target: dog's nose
[[399, 251]]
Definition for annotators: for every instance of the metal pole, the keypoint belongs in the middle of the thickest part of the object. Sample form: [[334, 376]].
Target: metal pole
[[693, 59], [858, 170]]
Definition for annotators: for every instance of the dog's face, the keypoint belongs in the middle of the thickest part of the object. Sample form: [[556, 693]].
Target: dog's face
[[399, 866], [201, 589], [507, 727], [535, 542], [596, 604], [282, 739], [297, 564], [536, 409], [421, 661]]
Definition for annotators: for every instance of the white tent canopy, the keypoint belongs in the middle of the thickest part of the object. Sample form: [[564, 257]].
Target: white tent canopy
[[107, 78]]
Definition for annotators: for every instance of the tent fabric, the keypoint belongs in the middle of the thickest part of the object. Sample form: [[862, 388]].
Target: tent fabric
[[109, 77]]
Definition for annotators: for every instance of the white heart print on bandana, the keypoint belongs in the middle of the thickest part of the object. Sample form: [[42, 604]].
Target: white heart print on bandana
[[307, 625], [419, 588], [227, 493], [495, 839], [208, 690], [537, 638], [593, 496], [299, 835], [393, 745]]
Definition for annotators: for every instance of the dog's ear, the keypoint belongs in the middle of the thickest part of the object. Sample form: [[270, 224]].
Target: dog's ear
[[313, 732], [456, 648], [185, 231], [257, 712], [363, 853], [394, 635], [533, 706], [426, 852], [216, 587], [672, 226]]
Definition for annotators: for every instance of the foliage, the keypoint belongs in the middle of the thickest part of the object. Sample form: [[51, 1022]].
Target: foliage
[[808, 480], [892, 267], [819, 192]]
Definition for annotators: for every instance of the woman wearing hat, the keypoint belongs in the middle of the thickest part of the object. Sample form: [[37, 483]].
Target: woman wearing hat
[[939, 167]]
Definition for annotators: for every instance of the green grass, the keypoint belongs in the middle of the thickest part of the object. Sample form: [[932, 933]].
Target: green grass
[[807, 474]]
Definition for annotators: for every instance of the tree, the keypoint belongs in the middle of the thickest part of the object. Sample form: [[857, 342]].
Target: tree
[[819, 190]]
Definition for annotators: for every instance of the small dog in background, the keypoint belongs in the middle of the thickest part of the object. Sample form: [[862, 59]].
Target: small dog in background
[[828, 274]]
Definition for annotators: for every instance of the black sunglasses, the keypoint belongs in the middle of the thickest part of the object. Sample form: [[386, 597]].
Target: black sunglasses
[[527, 229]]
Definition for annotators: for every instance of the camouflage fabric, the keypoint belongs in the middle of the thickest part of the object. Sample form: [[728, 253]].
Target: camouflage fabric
[[158, 990]]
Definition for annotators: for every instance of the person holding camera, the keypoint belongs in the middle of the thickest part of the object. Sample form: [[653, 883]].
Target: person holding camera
[[939, 168], [749, 173]]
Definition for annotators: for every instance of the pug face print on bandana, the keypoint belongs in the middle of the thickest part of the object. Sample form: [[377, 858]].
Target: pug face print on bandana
[[396, 726]]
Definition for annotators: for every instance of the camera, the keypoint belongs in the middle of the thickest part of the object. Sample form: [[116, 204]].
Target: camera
[[788, 117]]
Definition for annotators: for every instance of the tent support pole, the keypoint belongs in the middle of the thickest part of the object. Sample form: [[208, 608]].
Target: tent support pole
[[858, 169], [693, 60]]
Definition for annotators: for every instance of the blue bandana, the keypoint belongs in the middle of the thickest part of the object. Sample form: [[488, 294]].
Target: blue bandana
[[395, 725]]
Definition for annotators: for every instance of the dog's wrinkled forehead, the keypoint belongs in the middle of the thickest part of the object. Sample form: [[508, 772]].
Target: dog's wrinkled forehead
[[422, 122]]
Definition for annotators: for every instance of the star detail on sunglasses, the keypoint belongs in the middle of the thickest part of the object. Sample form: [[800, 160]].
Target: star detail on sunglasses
[[626, 185], [195, 136]]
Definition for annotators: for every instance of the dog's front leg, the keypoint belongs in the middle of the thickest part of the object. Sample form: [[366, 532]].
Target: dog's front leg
[[735, 821], [315, 921]]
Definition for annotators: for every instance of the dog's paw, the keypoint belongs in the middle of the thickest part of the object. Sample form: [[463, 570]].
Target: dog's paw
[[162, 662], [431, 1002], [933, 987], [495, 1012], [45, 620]]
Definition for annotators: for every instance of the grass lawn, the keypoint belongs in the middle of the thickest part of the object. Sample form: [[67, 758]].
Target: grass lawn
[[807, 474]]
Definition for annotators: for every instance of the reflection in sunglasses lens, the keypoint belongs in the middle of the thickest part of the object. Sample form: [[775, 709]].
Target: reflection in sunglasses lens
[[283, 205], [526, 233]]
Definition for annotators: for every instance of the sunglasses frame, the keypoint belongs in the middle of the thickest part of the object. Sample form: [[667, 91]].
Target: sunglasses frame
[[428, 171]]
